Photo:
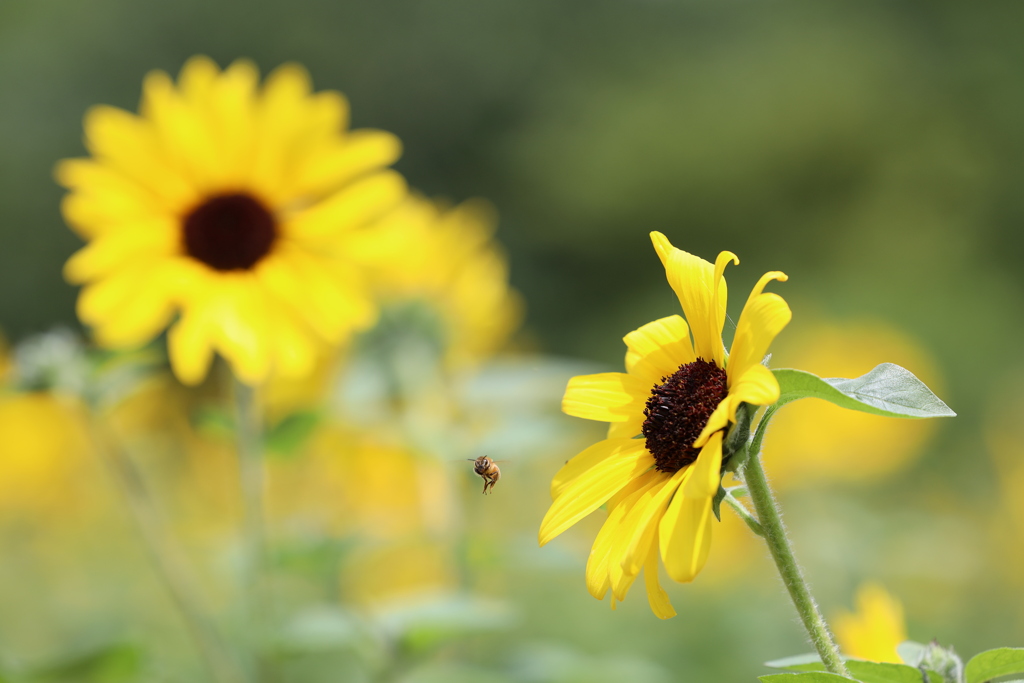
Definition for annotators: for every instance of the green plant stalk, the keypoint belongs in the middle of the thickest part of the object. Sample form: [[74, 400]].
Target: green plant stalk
[[168, 561], [782, 553], [249, 436]]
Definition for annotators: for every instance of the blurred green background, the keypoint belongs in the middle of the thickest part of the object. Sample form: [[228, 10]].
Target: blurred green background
[[874, 151]]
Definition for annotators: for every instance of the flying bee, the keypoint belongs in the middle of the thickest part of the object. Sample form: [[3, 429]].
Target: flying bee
[[488, 471]]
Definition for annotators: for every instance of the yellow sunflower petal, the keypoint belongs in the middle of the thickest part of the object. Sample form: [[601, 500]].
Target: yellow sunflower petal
[[190, 348], [706, 474], [362, 151], [130, 145], [657, 349], [353, 206], [693, 280], [685, 536], [585, 460], [633, 537], [607, 397], [145, 241], [643, 520], [591, 489], [656, 595], [757, 386], [764, 316], [598, 564], [627, 429]]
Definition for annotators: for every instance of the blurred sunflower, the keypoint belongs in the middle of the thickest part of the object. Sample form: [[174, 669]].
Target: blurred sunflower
[[681, 395], [232, 207], [875, 629], [452, 265]]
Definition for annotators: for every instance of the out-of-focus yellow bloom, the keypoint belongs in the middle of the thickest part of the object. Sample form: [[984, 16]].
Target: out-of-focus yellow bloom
[[44, 452], [231, 206], [396, 506], [452, 264], [681, 393], [811, 441], [875, 629]]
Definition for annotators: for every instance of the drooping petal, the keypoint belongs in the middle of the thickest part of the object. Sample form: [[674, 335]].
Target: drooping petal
[[706, 470], [637, 531], [643, 520], [591, 489], [757, 386], [693, 280], [607, 397], [606, 552], [657, 349], [763, 317], [656, 595], [685, 536]]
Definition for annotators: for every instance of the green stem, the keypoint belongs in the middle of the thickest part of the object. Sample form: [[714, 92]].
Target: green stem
[[782, 552], [168, 561], [249, 435]]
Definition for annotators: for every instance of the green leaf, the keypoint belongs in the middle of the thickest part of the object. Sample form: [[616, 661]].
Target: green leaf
[[288, 435], [994, 663], [809, 677], [888, 390], [808, 662], [880, 672]]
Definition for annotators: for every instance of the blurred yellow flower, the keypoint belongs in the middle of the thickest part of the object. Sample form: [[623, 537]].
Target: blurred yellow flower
[[875, 629], [232, 207], [44, 453], [811, 441], [395, 506], [452, 264], [681, 395]]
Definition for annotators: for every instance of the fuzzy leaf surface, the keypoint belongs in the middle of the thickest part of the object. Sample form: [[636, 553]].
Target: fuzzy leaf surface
[[994, 663], [887, 390]]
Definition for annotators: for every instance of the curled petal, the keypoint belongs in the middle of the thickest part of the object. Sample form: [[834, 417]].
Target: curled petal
[[693, 280], [657, 349], [685, 536], [764, 316], [656, 595]]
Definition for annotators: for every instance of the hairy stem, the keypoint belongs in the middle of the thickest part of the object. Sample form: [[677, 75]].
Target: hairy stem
[[782, 552]]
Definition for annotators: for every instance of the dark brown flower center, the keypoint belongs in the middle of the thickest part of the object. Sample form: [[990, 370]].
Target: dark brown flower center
[[677, 411], [230, 232]]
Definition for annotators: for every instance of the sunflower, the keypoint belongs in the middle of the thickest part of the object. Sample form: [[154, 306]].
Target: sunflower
[[453, 265], [681, 390], [224, 209]]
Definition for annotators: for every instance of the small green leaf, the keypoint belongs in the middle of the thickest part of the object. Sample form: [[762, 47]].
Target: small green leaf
[[809, 677], [888, 390], [994, 663], [880, 672], [808, 662], [716, 502]]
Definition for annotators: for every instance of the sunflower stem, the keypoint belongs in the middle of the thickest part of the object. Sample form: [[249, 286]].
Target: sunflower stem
[[782, 552], [249, 435], [167, 559]]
